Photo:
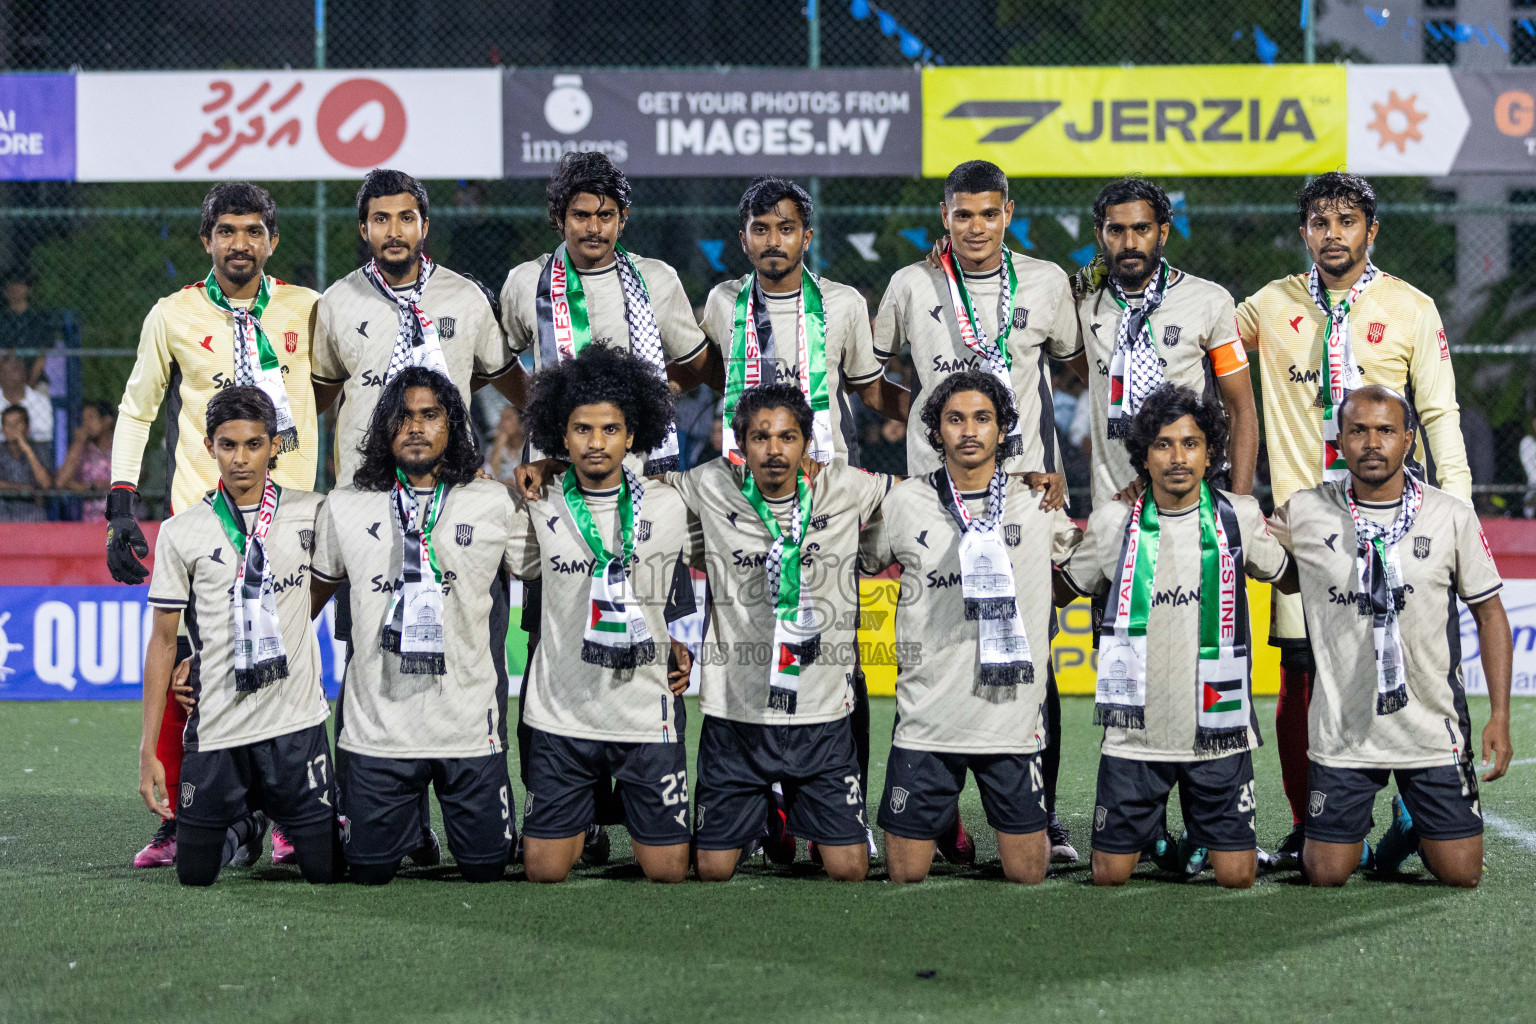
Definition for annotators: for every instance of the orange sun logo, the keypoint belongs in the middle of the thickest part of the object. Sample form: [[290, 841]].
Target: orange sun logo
[[1407, 121]]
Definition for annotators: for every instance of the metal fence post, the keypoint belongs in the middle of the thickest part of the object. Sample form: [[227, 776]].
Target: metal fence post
[[813, 61]]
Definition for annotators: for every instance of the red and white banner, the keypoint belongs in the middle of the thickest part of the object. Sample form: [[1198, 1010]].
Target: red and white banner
[[287, 125]]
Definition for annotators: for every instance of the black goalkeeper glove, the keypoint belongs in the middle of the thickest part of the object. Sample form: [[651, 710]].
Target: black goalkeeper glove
[[124, 538]]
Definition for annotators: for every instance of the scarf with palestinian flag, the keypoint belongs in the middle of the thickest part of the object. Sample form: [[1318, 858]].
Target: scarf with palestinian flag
[[256, 363], [752, 360], [1135, 369], [994, 353], [796, 640], [565, 328], [416, 338], [1341, 374], [987, 587], [616, 635], [1379, 589], [1223, 703], [258, 637], [413, 627]]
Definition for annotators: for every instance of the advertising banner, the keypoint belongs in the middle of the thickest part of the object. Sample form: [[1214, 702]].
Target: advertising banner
[[287, 125], [1103, 121], [736, 123], [1415, 119], [37, 127]]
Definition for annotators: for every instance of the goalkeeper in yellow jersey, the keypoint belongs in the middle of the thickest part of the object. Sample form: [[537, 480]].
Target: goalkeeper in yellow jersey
[[1320, 335], [236, 326]]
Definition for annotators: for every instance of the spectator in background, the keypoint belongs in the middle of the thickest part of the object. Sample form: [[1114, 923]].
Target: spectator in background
[[505, 452], [14, 391], [885, 448], [1477, 435], [21, 326], [20, 469], [88, 465]]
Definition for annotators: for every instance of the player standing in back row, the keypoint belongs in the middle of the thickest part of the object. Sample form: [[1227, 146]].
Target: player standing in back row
[[1320, 335]]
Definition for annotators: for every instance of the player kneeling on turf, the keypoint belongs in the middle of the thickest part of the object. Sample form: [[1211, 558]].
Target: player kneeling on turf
[[238, 563], [420, 539], [972, 635], [1382, 558], [601, 702], [1173, 668]]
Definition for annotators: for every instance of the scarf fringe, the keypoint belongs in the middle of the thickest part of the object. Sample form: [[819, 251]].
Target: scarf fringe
[[620, 658], [1009, 674], [665, 464], [1120, 716], [249, 680], [1012, 445], [1392, 701], [288, 440], [1322, 400], [989, 608], [780, 699], [1221, 741], [808, 649], [423, 664], [1119, 428], [390, 641]]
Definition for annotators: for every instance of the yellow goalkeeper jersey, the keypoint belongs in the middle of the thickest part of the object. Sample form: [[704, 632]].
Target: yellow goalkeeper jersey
[[186, 355], [1398, 341]]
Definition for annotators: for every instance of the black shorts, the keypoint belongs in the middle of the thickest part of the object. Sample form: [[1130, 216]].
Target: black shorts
[[1216, 797], [1441, 798], [291, 777], [382, 798], [922, 787], [564, 773], [738, 764]]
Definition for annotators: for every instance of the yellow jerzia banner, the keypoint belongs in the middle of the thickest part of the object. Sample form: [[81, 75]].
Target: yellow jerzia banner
[[1072, 651], [1220, 119]]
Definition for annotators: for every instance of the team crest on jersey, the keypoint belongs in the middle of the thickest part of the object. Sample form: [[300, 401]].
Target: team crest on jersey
[[1374, 332], [307, 540], [1445, 349], [291, 341], [445, 327], [463, 534], [1421, 548], [898, 799], [1315, 804], [643, 530], [1012, 534], [1170, 335], [819, 522], [1020, 318], [188, 791]]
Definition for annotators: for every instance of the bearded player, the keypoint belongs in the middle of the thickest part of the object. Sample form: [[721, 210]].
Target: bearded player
[[783, 323], [238, 326], [1319, 335], [1389, 699], [1173, 692]]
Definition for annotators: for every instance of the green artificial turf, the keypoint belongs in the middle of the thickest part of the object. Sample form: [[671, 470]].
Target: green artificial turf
[[84, 937]]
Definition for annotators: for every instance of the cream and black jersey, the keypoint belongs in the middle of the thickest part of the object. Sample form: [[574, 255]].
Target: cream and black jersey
[[917, 312], [851, 361], [388, 713], [355, 337], [567, 696], [1194, 331], [735, 656], [195, 566], [938, 707], [681, 337], [1173, 621], [1443, 557]]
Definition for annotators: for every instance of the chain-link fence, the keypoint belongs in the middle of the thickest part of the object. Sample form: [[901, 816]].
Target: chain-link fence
[[98, 256]]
